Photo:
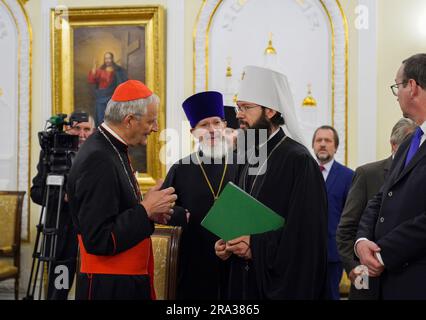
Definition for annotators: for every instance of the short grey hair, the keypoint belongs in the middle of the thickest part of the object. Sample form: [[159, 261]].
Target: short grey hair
[[116, 111], [401, 130]]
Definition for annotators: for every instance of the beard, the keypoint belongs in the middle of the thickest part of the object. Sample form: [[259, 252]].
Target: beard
[[218, 151], [263, 123], [323, 158]]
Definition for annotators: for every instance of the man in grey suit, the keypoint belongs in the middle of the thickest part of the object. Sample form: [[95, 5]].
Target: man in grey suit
[[366, 183]]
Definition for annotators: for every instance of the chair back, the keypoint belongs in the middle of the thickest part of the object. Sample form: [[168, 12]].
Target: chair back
[[165, 245], [10, 217]]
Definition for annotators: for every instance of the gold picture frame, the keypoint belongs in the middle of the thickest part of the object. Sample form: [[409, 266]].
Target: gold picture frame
[[67, 24]]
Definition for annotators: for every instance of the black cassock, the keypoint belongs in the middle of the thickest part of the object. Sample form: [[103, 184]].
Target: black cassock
[[108, 216], [201, 274], [291, 262]]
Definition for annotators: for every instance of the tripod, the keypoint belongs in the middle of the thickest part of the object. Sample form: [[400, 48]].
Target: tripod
[[44, 252]]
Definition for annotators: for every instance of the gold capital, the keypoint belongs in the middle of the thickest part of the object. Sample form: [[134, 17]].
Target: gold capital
[[229, 68], [309, 101], [270, 48]]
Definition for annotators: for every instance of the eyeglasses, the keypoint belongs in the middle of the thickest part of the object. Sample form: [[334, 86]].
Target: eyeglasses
[[395, 88], [244, 109]]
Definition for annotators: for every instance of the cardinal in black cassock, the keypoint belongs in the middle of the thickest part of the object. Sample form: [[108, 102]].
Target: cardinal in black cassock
[[113, 222], [198, 180], [291, 262]]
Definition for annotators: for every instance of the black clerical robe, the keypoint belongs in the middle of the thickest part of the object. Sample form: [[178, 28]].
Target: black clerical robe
[[105, 206], [201, 274], [291, 262]]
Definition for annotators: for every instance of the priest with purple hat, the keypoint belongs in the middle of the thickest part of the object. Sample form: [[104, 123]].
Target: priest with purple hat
[[198, 180]]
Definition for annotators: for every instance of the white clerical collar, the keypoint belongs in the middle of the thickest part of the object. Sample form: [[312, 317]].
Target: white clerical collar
[[112, 132], [327, 166], [271, 136], [274, 133]]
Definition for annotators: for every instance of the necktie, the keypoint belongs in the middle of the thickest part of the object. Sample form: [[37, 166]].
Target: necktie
[[322, 168], [414, 146]]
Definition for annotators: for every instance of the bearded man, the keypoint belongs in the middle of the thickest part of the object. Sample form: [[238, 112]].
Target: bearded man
[[198, 180], [290, 262], [338, 179]]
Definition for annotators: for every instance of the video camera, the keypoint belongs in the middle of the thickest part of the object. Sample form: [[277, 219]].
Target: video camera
[[59, 147]]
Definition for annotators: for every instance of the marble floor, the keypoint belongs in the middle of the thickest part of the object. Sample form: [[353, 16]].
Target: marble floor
[[7, 291]]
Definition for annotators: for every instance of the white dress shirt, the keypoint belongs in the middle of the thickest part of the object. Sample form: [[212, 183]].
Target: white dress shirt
[[327, 168], [423, 138]]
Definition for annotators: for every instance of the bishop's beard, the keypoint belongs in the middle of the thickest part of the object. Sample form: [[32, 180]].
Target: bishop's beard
[[261, 124]]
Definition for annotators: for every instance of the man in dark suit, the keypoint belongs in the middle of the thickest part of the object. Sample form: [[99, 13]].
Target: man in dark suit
[[392, 232], [338, 180], [367, 182]]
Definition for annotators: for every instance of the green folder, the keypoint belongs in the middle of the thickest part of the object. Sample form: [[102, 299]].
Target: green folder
[[236, 213]]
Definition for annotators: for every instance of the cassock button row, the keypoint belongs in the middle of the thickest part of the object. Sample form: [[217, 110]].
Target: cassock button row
[[390, 194], [382, 219]]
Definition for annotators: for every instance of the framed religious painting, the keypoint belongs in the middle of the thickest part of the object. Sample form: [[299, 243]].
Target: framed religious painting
[[96, 49]]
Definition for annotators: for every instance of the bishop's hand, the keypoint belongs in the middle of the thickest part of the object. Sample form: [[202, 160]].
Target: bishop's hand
[[159, 203], [240, 247], [220, 250]]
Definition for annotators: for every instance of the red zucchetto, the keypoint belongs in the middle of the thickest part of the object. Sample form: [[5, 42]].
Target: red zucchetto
[[131, 90]]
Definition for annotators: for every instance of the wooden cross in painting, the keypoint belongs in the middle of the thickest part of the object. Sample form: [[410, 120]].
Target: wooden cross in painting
[[128, 48]]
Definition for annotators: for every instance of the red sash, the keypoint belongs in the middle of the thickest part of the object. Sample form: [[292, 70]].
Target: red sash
[[138, 260]]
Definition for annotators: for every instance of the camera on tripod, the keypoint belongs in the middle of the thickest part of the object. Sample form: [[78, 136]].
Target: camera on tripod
[[58, 151], [58, 146]]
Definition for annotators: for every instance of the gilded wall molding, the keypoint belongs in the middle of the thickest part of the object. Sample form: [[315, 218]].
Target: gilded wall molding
[[23, 29], [339, 57], [62, 54]]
